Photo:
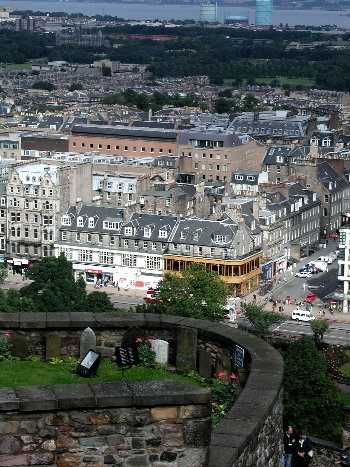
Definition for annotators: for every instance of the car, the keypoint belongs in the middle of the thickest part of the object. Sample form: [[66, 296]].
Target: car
[[310, 298], [304, 274]]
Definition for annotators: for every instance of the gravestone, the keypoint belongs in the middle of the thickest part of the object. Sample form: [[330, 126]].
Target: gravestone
[[204, 364], [87, 341], [161, 348], [186, 348], [19, 346], [223, 365], [53, 345]]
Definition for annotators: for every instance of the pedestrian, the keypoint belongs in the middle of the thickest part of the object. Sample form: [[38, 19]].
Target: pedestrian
[[284, 279], [289, 443], [254, 297], [304, 453]]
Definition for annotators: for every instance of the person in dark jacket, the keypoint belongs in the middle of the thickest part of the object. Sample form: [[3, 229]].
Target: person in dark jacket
[[303, 452], [289, 443]]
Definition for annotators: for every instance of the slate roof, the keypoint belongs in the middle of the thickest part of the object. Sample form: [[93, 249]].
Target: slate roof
[[202, 232], [125, 132], [274, 152], [140, 221], [228, 139], [100, 212], [326, 174]]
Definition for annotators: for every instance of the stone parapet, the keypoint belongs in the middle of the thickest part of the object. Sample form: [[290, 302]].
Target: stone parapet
[[250, 435]]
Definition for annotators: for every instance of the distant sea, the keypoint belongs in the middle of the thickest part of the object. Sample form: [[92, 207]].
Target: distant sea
[[143, 11]]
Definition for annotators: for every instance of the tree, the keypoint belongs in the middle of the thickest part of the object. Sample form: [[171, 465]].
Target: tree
[[319, 327], [54, 289], [45, 85], [75, 87], [196, 293], [316, 410], [106, 71], [260, 319], [225, 93]]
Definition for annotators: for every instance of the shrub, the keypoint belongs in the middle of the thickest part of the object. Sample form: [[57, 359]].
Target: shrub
[[146, 354], [222, 396], [5, 347], [336, 357]]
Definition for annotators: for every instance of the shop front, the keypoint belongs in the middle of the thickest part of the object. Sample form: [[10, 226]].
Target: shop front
[[267, 271], [280, 265], [18, 265]]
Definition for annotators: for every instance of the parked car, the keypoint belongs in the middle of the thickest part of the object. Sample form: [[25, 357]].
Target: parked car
[[304, 274], [310, 298]]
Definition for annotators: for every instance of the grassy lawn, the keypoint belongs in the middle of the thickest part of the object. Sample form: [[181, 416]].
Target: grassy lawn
[[345, 398], [20, 66], [28, 373]]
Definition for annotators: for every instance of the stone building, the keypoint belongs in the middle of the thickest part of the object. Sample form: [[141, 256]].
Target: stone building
[[36, 196], [123, 141], [213, 155]]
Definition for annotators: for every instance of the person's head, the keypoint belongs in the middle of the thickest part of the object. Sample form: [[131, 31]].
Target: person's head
[[289, 429], [303, 434]]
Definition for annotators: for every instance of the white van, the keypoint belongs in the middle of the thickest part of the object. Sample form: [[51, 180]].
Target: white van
[[321, 265], [301, 315]]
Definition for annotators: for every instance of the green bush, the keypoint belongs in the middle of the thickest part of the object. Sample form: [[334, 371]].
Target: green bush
[[5, 347], [223, 391]]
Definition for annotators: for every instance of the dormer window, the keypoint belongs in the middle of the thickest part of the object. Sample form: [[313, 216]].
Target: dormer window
[[220, 238], [66, 220], [91, 222], [250, 178], [183, 235], [127, 230], [147, 231], [163, 233], [197, 234], [112, 225], [279, 159], [238, 177], [80, 221]]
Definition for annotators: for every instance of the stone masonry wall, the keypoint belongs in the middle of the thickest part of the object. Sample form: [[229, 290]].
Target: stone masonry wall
[[252, 427], [131, 435]]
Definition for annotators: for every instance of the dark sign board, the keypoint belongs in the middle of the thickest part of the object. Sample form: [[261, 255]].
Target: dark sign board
[[239, 356], [126, 356]]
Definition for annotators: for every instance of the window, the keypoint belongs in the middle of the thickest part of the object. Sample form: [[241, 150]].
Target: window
[[111, 225], [84, 255], [88, 238], [35, 233], [147, 231], [212, 252], [77, 237], [64, 236], [66, 251], [136, 243], [279, 159], [164, 246], [91, 222], [99, 146], [325, 211], [83, 145], [200, 251], [105, 257], [220, 238], [154, 245], [175, 246], [108, 146], [126, 243], [145, 245], [112, 240], [128, 260], [238, 177], [127, 230], [35, 204], [250, 178], [80, 221], [26, 204], [66, 220], [2, 228], [153, 262], [326, 198], [100, 238], [125, 148], [43, 192], [117, 147], [15, 217], [91, 145], [163, 233], [47, 220], [342, 238], [278, 169]]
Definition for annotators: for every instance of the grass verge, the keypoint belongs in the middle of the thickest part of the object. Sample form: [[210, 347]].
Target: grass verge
[[28, 373]]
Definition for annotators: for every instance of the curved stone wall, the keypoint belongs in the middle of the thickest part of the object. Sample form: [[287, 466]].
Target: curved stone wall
[[250, 435]]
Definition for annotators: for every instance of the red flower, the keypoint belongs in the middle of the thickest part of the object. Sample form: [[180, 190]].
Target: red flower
[[221, 375], [213, 404], [214, 374], [7, 335], [139, 339], [233, 377], [150, 341]]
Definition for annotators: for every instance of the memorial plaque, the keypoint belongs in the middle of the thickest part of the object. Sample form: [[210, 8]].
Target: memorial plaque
[[126, 356], [161, 348], [186, 349], [87, 341], [239, 356]]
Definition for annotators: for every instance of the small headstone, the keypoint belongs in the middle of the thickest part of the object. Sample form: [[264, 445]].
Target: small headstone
[[87, 342], [161, 349], [223, 365], [204, 364], [19, 346], [53, 345], [186, 348]]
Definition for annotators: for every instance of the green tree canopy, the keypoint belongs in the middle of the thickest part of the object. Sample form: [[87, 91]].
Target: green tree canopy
[[260, 319], [54, 289], [45, 85], [75, 87], [311, 399], [195, 293]]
